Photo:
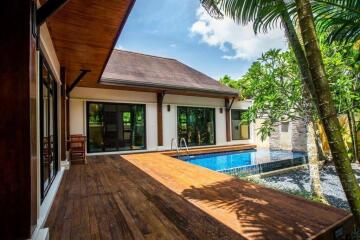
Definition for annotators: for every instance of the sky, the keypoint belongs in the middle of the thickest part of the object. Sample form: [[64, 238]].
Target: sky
[[182, 29]]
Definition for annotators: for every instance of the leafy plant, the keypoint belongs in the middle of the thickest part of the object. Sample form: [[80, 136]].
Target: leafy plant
[[340, 19]]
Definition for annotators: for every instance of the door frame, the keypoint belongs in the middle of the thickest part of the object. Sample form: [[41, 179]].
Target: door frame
[[113, 103], [43, 61]]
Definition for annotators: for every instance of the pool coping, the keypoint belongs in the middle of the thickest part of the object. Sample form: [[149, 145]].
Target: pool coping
[[238, 170]]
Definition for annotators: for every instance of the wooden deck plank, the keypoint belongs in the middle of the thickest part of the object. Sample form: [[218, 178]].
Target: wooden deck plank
[[112, 199], [154, 196], [251, 210]]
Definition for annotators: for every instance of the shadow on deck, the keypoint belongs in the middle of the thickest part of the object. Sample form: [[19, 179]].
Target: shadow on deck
[[131, 197]]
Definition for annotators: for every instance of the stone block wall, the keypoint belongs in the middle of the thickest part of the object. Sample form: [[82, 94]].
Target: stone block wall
[[295, 139], [299, 136]]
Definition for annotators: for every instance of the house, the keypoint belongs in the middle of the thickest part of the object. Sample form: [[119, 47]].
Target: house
[[145, 102], [60, 76], [54, 56], [47, 47]]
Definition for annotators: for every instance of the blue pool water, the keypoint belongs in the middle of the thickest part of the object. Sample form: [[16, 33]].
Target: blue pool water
[[255, 160]]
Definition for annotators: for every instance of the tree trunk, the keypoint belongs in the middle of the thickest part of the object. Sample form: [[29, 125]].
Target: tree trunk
[[327, 111], [309, 92], [313, 156], [353, 134], [298, 51], [319, 144]]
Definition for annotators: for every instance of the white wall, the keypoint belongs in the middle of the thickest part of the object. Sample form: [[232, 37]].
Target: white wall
[[80, 95], [49, 51], [151, 126], [169, 124], [286, 138], [77, 116], [101, 94], [220, 126]]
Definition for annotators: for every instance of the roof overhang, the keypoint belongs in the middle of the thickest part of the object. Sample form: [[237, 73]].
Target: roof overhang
[[84, 33], [168, 89]]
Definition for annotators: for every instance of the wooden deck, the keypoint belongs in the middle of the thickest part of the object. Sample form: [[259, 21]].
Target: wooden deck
[[154, 196]]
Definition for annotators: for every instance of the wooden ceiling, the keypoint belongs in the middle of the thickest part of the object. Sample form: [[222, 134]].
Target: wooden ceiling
[[84, 33]]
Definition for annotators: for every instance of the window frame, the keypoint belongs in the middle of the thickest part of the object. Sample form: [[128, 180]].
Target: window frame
[[285, 125], [231, 122], [177, 124], [42, 61], [112, 103]]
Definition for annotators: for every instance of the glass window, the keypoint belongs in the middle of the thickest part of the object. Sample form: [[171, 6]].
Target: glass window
[[196, 125], [284, 126], [48, 128], [240, 131], [115, 127]]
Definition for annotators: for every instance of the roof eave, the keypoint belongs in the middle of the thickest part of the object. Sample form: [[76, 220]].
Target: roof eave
[[164, 87]]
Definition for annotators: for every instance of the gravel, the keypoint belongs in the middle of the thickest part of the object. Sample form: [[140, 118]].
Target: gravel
[[300, 181]]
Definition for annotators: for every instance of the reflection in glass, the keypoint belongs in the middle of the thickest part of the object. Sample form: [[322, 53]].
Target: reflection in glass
[[115, 127], [45, 125], [196, 125], [240, 131], [48, 131]]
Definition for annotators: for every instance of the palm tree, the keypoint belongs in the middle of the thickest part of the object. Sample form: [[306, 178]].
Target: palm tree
[[338, 18], [327, 109], [266, 13]]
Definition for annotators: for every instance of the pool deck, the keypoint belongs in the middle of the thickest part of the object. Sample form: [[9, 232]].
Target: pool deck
[[213, 149], [155, 196]]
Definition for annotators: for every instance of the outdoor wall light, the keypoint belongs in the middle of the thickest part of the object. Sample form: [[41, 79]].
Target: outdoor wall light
[[168, 108], [221, 110]]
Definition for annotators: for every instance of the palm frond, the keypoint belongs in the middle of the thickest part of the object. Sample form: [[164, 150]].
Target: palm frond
[[212, 8], [269, 16], [264, 14], [241, 11], [340, 19]]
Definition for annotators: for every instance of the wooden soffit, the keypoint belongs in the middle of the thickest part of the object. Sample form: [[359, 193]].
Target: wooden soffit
[[84, 33]]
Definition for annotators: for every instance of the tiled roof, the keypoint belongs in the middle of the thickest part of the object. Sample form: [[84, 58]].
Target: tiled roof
[[135, 69]]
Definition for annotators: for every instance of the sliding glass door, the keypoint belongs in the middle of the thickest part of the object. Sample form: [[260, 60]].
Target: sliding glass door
[[115, 127], [196, 125], [48, 128]]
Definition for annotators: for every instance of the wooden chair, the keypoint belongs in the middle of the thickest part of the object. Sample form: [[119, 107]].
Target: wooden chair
[[77, 149]]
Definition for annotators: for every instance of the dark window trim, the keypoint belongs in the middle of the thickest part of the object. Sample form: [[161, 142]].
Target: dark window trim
[[43, 61], [241, 111], [285, 127], [177, 124], [113, 103]]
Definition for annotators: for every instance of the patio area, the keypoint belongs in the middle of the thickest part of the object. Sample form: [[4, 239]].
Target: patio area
[[109, 198], [154, 196]]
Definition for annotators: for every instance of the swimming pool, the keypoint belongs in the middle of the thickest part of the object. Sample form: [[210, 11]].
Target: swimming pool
[[247, 162]]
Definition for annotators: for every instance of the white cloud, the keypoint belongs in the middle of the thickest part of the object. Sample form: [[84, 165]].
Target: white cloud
[[120, 47], [173, 45], [227, 35]]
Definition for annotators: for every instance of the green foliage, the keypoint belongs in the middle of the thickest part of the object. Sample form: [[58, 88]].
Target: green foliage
[[273, 83], [339, 19], [264, 14], [343, 70], [242, 85], [212, 8]]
